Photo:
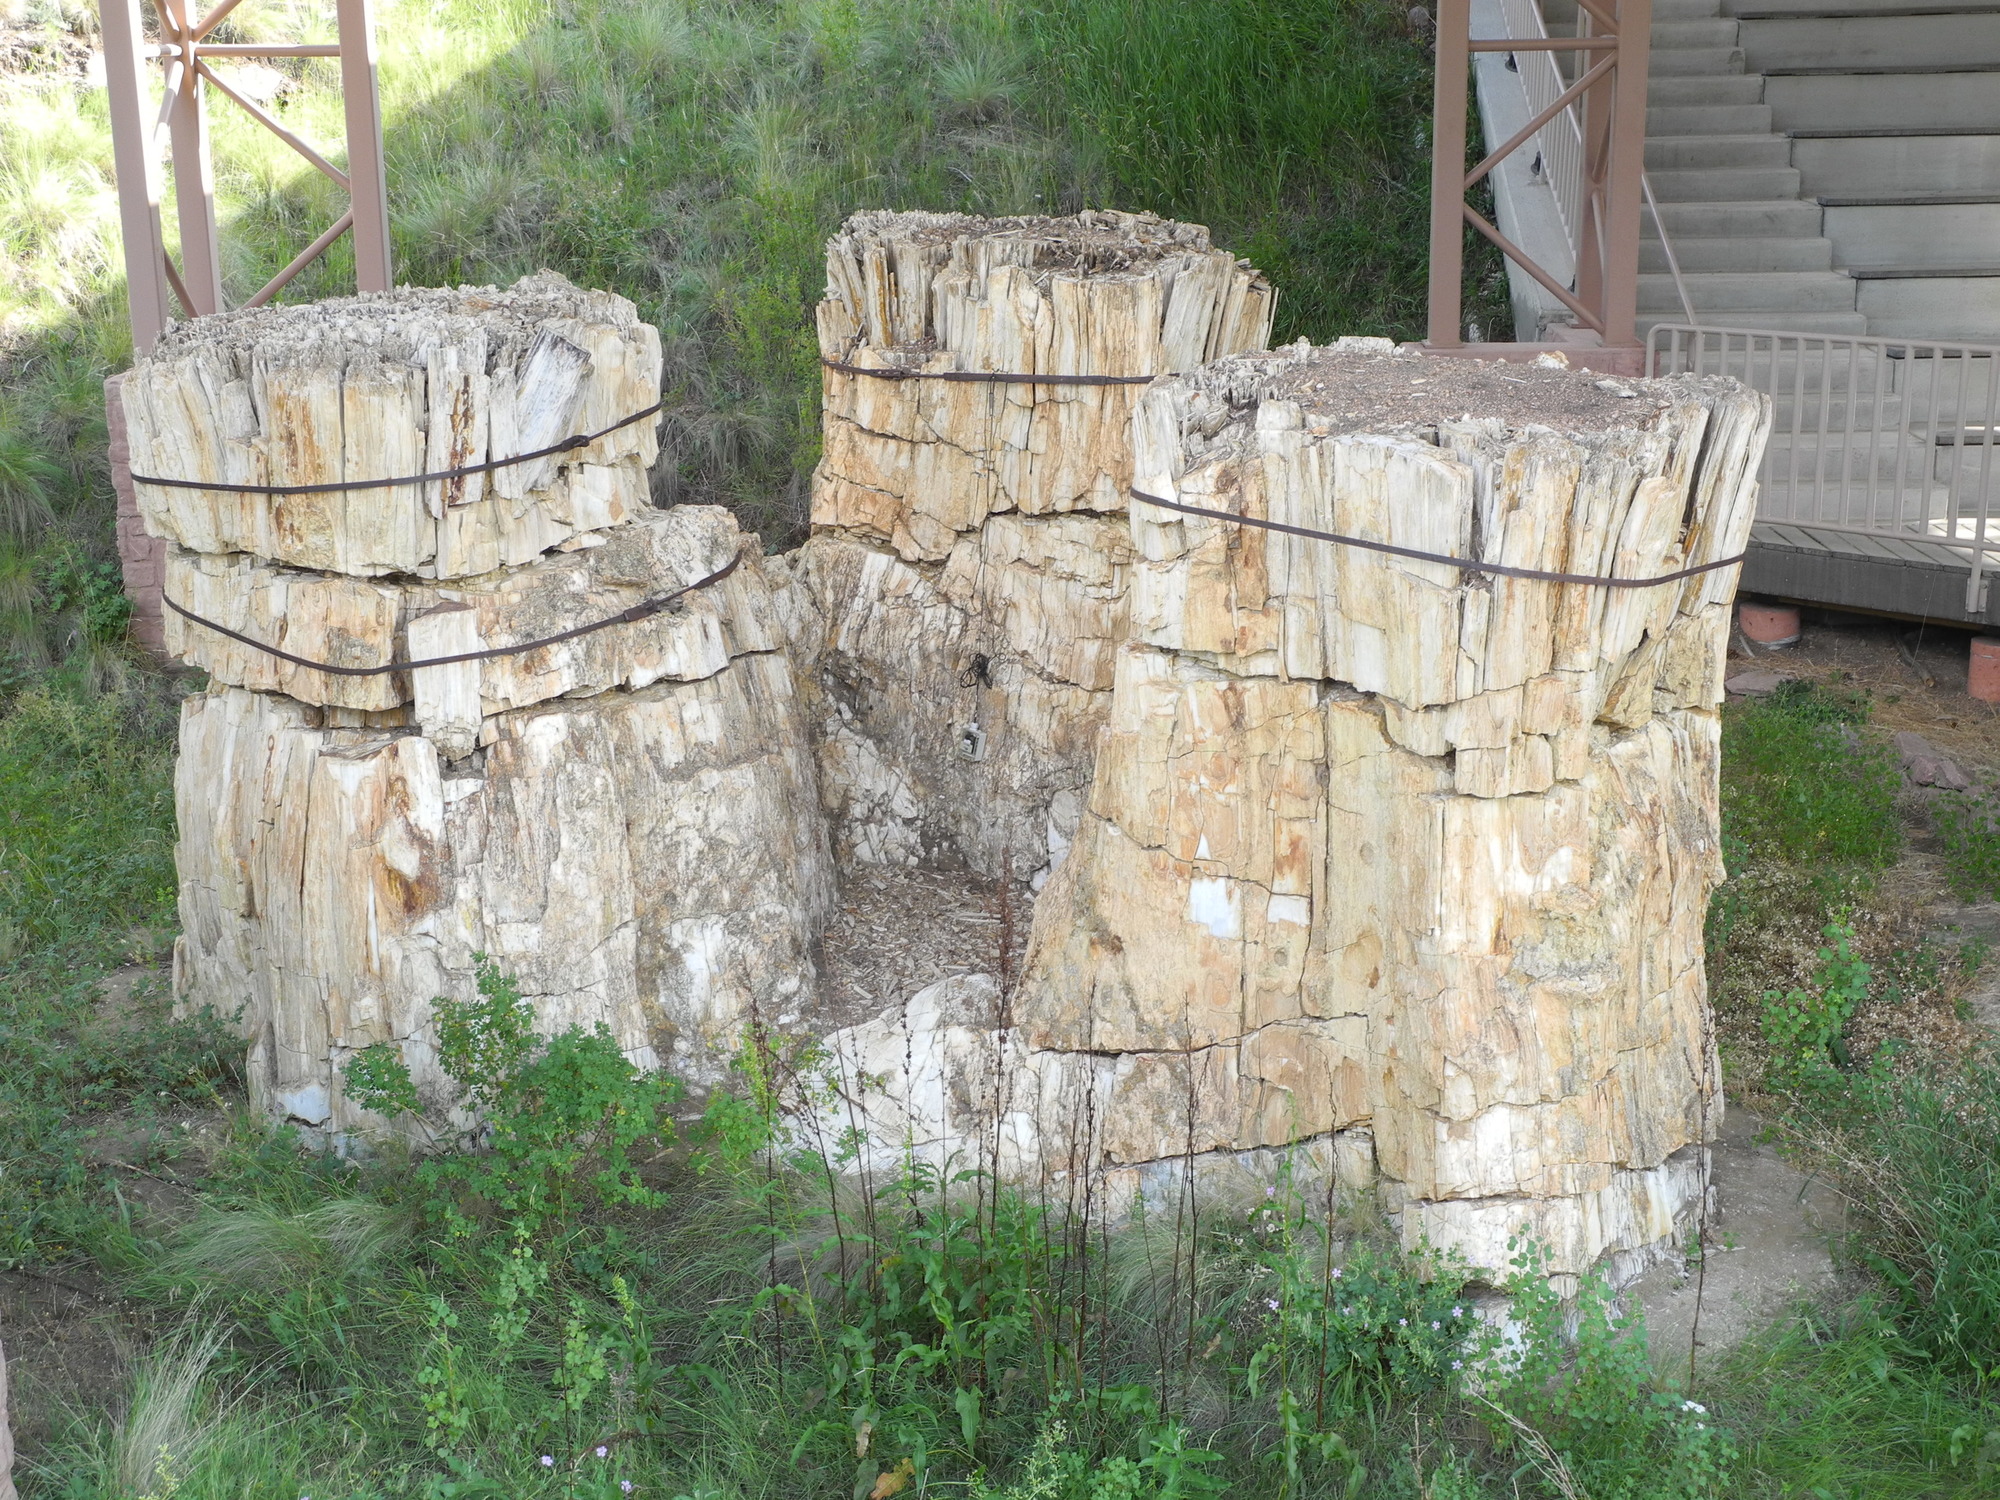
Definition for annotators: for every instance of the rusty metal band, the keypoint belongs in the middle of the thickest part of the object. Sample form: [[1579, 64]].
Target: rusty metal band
[[645, 609], [984, 377], [567, 445], [1464, 564]]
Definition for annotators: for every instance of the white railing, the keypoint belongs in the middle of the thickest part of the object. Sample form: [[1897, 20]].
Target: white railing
[[1888, 438], [1559, 144]]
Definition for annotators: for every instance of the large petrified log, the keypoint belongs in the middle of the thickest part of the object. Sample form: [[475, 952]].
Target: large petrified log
[[371, 622], [964, 593], [624, 818], [392, 384], [1398, 861], [651, 860]]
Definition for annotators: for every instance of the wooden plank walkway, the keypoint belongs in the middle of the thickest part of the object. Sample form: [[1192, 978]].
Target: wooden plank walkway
[[1887, 574]]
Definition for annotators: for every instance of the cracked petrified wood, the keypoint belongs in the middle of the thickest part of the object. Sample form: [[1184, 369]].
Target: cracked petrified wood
[[390, 384], [964, 592], [1395, 863], [626, 820]]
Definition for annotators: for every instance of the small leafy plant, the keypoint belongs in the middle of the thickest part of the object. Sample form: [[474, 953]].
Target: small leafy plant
[[544, 1125], [1573, 1392], [1968, 825], [1804, 1028]]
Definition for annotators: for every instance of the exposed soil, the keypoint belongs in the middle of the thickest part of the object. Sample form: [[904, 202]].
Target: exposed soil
[[1915, 675], [1356, 390], [1769, 1238], [70, 1343]]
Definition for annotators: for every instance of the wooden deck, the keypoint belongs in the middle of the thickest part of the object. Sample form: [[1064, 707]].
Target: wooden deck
[[1896, 575]]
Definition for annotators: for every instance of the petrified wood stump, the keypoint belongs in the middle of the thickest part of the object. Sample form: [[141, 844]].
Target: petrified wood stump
[[965, 586], [625, 819], [418, 381], [1402, 864]]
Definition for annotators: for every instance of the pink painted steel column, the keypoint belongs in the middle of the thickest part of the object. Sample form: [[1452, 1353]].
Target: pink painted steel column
[[1453, 80], [1624, 192], [368, 192], [142, 557], [194, 173], [147, 295]]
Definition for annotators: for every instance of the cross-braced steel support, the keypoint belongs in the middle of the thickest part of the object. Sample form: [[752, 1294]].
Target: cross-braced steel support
[[156, 288], [1609, 96]]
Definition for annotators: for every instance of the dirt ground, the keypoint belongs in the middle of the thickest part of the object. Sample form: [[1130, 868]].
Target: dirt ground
[[1914, 674], [70, 1338]]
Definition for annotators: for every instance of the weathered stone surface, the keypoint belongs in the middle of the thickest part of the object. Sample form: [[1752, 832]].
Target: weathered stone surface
[[1371, 842], [361, 622], [6, 1437], [388, 385], [938, 737], [651, 860], [965, 595], [918, 462]]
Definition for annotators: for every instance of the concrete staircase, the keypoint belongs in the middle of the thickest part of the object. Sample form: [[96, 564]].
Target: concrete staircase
[[1824, 166]]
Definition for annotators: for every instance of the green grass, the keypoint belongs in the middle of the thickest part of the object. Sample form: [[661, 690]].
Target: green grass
[[1809, 783], [1840, 1403], [694, 158]]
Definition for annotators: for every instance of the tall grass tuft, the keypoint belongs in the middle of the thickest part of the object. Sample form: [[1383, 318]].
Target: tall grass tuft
[[1913, 1153], [170, 1421]]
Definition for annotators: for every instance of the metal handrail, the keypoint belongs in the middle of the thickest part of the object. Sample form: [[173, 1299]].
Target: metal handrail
[[1667, 244], [1884, 437], [1608, 99]]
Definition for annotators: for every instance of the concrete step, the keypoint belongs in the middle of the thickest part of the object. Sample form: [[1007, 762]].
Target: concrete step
[[1839, 457], [1885, 101], [1739, 253], [1680, 153], [1767, 9], [1731, 184], [1693, 92], [1719, 293], [1855, 166], [1675, 32], [1952, 308], [1849, 43], [1699, 219], [1837, 467], [1686, 62], [1708, 119], [1950, 234], [1560, 15], [1850, 323]]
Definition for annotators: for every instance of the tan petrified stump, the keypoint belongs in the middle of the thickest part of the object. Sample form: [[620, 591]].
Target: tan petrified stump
[[623, 818], [6, 1437], [963, 596], [1393, 863]]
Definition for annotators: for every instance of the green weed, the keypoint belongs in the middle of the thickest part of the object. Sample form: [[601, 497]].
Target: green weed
[[1968, 825], [1804, 1028]]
